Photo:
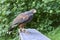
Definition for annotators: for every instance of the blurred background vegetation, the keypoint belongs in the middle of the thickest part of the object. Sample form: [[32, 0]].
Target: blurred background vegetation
[[46, 20]]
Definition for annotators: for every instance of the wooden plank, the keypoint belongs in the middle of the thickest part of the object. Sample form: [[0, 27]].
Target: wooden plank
[[32, 35]]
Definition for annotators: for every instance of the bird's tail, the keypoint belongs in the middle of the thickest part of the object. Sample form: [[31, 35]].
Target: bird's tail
[[10, 29]]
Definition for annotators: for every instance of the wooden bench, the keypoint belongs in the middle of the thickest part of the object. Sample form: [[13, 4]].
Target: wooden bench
[[32, 35]]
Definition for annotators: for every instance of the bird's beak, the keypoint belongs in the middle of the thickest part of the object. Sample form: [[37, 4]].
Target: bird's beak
[[34, 11]]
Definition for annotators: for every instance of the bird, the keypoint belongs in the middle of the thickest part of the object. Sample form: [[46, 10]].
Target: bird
[[22, 19]]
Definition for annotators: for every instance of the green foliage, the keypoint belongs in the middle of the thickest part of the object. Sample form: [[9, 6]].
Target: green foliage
[[45, 20], [55, 35]]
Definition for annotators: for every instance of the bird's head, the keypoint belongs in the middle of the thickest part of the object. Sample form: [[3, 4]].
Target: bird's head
[[33, 10]]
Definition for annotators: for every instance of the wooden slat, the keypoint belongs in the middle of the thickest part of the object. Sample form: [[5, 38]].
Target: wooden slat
[[32, 35]]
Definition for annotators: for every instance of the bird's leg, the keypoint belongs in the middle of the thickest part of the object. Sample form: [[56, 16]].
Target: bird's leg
[[22, 29]]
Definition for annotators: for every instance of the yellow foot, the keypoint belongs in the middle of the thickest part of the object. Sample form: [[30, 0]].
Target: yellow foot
[[25, 31]]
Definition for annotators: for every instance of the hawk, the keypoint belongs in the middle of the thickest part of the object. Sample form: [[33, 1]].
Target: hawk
[[22, 19]]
